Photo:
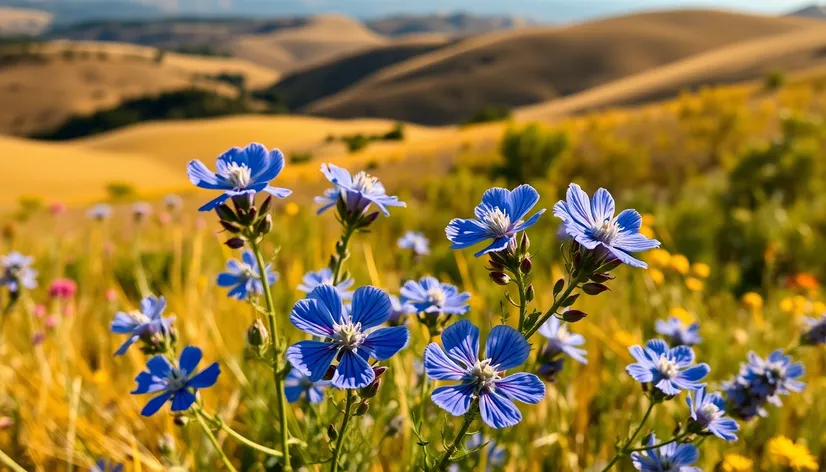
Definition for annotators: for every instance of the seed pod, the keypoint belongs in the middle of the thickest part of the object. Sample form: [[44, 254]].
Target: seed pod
[[500, 278], [572, 316], [235, 243], [593, 288]]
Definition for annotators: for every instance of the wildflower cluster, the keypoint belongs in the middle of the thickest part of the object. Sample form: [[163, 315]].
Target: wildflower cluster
[[761, 381]]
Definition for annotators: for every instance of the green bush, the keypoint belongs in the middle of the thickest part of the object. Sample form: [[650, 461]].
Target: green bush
[[119, 191], [300, 157], [489, 114], [529, 152]]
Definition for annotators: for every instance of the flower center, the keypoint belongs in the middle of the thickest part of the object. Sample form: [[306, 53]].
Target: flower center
[[498, 223], [176, 379], [139, 317], [708, 413], [349, 335], [484, 373], [606, 232], [364, 182], [247, 271], [436, 296], [239, 175], [667, 368]]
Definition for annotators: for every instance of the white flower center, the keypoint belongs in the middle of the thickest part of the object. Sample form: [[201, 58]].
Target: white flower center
[[484, 373], [606, 232], [239, 175], [562, 334], [348, 335], [436, 296], [176, 379], [138, 316], [364, 182], [247, 271], [708, 412], [667, 368], [498, 222]]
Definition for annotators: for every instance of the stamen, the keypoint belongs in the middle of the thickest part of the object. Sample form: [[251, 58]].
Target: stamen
[[239, 175], [498, 223]]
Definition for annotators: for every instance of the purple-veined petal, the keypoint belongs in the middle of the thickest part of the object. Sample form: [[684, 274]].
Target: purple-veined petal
[[438, 366], [461, 342], [522, 386], [371, 307], [498, 411], [384, 343], [352, 371], [506, 347], [312, 358], [455, 399]]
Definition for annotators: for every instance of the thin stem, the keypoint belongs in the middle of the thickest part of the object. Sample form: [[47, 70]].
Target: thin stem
[[625, 448], [657, 446], [523, 304], [344, 422], [572, 284], [276, 362], [9, 462], [444, 460], [238, 437], [215, 444], [341, 250]]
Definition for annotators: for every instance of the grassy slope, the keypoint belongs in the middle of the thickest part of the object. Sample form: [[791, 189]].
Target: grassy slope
[[450, 84]]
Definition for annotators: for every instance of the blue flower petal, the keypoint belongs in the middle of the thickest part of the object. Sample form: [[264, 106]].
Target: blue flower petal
[[658, 347], [293, 393], [315, 395], [371, 307], [640, 373], [629, 221], [337, 175], [527, 224], [384, 343], [312, 317], [461, 341], [683, 356], [496, 197], [148, 383], [312, 358], [206, 378], [352, 371], [579, 206], [626, 258], [202, 177], [498, 244], [210, 205], [455, 399], [182, 400], [126, 344], [506, 347], [498, 411], [522, 386], [155, 404], [520, 201], [465, 233], [278, 192], [226, 279], [602, 206], [190, 357], [438, 366], [634, 242], [158, 366]]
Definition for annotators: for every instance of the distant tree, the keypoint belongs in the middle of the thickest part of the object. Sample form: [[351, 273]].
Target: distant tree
[[774, 80], [528, 153], [119, 191], [300, 157], [489, 114], [396, 134]]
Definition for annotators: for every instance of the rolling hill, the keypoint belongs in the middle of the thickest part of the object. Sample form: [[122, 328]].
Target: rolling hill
[[533, 65], [23, 22], [453, 24]]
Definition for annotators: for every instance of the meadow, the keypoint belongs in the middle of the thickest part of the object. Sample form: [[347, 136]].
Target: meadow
[[729, 180]]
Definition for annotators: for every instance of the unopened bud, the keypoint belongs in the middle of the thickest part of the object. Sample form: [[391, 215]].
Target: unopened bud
[[558, 286], [526, 266], [371, 390], [524, 243], [181, 420], [230, 227], [362, 408], [225, 213], [235, 243], [500, 278], [368, 220], [244, 201], [593, 288], [266, 205], [332, 434], [572, 316], [264, 225], [600, 278], [257, 334], [496, 266], [530, 293]]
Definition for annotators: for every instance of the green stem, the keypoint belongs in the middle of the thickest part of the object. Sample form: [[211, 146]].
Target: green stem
[[572, 284], [9, 462], [344, 422], [657, 446], [238, 437], [276, 364], [625, 448], [214, 442], [341, 250], [444, 460]]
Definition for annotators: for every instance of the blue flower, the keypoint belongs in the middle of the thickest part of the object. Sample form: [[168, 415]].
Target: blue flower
[[400, 310], [176, 383], [297, 384], [707, 413], [428, 295], [762, 381], [100, 212], [243, 276], [678, 334], [496, 453], [593, 224], [669, 458], [560, 340], [17, 272], [142, 324], [328, 200], [668, 369], [352, 339], [239, 172], [415, 241], [816, 332], [482, 379], [358, 191], [499, 217], [103, 465], [311, 280]]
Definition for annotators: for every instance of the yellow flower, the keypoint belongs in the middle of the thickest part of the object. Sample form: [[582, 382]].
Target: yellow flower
[[786, 305], [737, 463], [801, 305], [694, 284], [625, 338], [100, 377], [659, 257], [656, 276], [683, 315], [784, 452], [291, 209], [701, 269], [647, 231], [818, 308], [752, 300], [680, 263], [648, 219]]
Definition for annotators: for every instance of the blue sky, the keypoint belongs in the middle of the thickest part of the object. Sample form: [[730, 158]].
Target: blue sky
[[540, 10]]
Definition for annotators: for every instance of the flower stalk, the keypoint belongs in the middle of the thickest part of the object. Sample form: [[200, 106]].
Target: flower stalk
[[348, 407], [215, 443], [469, 417], [626, 448]]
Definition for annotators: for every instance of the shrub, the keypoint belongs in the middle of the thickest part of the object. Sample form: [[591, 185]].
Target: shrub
[[119, 191], [489, 114], [529, 152]]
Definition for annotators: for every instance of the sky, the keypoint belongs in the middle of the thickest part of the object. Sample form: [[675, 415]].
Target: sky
[[539, 10]]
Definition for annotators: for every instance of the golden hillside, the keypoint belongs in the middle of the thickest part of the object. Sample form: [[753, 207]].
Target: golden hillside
[[22, 21], [452, 83], [97, 75]]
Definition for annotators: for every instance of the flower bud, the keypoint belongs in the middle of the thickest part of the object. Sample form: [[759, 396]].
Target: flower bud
[[524, 243], [244, 201], [366, 221], [362, 408], [264, 225], [600, 278], [266, 205], [257, 334], [370, 390], [235, 243], [225, 213], [332, 434], [572, 316], [526, 266], [558, 286], [569, 301], [593, 288], [500, 278], [232, 228], [181, 420], [379, 370], [495, 266], [530, 293]]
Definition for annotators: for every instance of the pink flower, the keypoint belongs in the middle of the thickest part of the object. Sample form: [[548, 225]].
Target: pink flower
[[111, 295], [63, 289], [51, 321], [164, 218], [39, 310], [57, 208]]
